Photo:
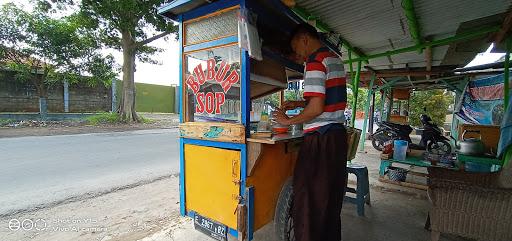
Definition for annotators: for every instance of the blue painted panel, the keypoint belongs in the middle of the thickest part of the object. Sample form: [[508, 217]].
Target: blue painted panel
[[209, 8], [182, 179], [172, 5], [180, 74], [243, 170], [246, 94], [250, 216], [233, 232], [227, 145], [210, 44]]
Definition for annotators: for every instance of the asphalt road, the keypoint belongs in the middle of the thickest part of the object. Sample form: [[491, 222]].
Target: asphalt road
[[41, 171]]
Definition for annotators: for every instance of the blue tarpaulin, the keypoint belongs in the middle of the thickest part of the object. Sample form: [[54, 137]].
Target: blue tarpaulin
[[482, 101]]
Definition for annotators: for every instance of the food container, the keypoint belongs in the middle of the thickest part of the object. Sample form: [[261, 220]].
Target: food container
[[279, 129], [399, 150], [397, 174]]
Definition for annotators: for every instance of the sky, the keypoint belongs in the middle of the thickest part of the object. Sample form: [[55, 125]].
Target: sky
[[166, 73]]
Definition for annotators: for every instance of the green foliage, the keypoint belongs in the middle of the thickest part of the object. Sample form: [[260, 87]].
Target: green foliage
[[111, 118], [104, 118], [435, 101], [139, 19], [145, 120], [44, 49], [361, 99], [4, 122], [293, 95]]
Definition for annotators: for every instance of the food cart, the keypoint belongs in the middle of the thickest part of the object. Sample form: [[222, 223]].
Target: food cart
[[232, 180]]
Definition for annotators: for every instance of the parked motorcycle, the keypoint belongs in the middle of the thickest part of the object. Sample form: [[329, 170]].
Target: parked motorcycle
[[432, 138]]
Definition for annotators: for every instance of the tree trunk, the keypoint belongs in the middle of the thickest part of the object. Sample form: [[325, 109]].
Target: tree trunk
[[127, 109]]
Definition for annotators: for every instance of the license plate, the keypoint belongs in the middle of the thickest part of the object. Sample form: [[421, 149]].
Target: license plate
[[210, 227]]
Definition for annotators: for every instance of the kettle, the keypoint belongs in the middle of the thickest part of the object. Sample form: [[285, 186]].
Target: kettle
[[471, 146]]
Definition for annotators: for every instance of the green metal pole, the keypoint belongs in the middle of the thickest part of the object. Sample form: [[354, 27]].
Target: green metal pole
[[366, 114], [506, 83], [412, 22], [435, 43], [351, 68], [355, 90]]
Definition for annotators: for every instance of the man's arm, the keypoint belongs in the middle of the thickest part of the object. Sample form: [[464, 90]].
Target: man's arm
[[291, 105], [314, 90], [314, 108]]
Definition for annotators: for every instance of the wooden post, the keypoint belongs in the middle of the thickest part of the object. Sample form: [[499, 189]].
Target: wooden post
[[390, 107], [382, 102]]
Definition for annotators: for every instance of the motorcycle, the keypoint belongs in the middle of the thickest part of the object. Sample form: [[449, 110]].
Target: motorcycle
[[432, 138]]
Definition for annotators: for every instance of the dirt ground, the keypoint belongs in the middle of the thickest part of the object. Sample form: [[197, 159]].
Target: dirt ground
[[151, 213], [49, 128]]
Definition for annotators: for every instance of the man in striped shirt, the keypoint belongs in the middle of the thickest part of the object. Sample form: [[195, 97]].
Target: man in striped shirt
[[320, 171]]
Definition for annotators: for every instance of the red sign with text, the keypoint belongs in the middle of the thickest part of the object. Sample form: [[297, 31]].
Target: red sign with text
[[211, 102]]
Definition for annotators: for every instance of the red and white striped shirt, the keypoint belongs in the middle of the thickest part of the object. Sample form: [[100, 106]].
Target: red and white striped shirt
[[325, 77]]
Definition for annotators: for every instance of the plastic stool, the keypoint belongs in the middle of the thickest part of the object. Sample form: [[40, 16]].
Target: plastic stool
[[362, 189]]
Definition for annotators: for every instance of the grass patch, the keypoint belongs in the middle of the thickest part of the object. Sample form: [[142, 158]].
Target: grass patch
[[145, 120], [4, 122], [104, 118]]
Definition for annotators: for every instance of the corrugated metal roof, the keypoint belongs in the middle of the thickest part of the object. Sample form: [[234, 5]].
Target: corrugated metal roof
[[376, 26]]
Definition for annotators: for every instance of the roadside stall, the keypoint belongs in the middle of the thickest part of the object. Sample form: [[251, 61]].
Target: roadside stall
[[474, 137], [235, 166]]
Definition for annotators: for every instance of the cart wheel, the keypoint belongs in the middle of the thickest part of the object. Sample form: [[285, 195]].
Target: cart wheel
[[283, 222]]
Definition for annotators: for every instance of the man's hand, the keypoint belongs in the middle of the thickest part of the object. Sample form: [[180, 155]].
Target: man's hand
[[314, 108], [291, 105], [281, 117]]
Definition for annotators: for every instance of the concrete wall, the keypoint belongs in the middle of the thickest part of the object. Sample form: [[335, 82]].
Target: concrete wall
[[152, 98], [83, 98], [23, 97]]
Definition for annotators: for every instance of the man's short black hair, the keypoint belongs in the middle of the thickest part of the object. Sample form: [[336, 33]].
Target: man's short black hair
[[304, 28]]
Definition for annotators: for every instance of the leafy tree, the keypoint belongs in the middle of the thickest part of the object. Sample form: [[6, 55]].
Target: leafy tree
[[127, 25], [45, 50], [361, 98], [435, 101]]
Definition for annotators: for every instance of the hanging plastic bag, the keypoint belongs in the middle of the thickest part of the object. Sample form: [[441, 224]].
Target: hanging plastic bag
[[248, 37]]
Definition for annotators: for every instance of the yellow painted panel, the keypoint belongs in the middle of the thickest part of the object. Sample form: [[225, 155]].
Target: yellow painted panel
[[270, 173], [210, 189]]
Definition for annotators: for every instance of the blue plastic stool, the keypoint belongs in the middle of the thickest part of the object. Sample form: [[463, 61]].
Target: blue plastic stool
[[362, 189]]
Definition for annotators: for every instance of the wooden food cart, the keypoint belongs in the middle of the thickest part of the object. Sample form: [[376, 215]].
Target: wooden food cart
[[231, 180]]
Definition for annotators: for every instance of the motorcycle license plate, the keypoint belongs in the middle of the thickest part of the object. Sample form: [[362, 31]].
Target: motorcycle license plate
[[210, 227]]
